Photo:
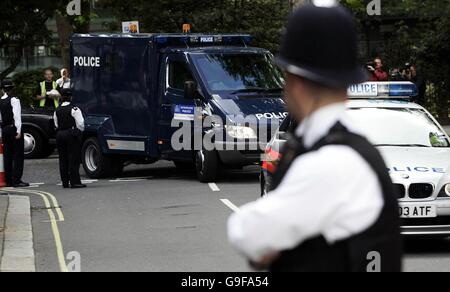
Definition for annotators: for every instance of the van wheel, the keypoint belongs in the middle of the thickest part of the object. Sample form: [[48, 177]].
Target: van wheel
[[207, 165], [96, 164], [34, 144]]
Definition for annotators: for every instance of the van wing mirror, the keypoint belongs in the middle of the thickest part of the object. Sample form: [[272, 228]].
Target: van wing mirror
[[190, 90]]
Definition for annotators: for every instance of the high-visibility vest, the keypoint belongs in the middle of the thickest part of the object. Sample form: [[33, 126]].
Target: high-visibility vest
[[44, 94]]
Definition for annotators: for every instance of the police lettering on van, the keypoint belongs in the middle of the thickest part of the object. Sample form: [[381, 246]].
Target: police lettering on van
[[93, 62], [270, 116]]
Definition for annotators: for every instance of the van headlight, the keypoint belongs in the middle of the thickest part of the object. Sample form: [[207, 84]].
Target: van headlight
[[241, 132], [445, 192]]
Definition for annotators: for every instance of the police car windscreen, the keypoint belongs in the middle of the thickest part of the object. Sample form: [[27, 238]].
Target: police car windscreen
[[399, 127], [239, 72]]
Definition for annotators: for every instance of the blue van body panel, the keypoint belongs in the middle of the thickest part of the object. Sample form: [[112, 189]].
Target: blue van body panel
[[123, 97]]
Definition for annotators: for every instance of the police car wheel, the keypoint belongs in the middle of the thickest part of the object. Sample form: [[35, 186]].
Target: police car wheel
[[96, 164], [207, 165], [34, 144]]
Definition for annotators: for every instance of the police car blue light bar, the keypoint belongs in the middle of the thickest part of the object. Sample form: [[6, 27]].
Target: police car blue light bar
[[403, 90]]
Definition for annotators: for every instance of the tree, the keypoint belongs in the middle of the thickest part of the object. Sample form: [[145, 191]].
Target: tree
[[420, 35], [67, 25], [22, 26], [433, 57], [262, 18]]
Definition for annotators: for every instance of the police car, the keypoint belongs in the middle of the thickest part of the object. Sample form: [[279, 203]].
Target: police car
[[415, 147]]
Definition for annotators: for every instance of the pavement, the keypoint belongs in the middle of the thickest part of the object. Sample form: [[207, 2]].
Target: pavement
[[17, 235], [3, 209]]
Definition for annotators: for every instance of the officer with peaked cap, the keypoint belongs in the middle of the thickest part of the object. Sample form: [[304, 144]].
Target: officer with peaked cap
[[332, 206], [12, 136], [69, 123]]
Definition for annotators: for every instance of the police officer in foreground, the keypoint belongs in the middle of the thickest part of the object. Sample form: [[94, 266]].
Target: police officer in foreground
[[332, 206], [12, 136], [69, 123]]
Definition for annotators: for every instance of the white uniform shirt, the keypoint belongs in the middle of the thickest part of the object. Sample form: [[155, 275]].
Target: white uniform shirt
[[76, 114], [17, 111], [332, 192], [63, 84]]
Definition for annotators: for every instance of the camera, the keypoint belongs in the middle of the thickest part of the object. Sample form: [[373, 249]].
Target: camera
[[406, 68], [371, 64]]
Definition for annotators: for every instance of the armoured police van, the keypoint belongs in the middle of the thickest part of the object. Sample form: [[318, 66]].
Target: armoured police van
[[201, 101]]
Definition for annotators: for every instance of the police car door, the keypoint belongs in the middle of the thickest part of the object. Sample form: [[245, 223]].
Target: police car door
[[175, 108]]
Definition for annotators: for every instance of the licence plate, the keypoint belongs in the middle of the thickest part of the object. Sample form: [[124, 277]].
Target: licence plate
[[418, 211]]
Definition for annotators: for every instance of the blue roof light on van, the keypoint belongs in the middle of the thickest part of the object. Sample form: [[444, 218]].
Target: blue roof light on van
[[161, 40], [394, 90], [204, 39]]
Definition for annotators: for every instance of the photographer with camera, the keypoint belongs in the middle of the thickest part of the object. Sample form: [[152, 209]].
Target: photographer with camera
[[410, 73], [376, 70], [406, 72], [395, 74]]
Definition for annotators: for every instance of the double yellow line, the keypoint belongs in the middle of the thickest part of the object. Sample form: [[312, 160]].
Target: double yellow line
[[51, 203]]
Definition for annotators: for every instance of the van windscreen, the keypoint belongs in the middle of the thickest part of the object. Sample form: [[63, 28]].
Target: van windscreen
[[239, 72]]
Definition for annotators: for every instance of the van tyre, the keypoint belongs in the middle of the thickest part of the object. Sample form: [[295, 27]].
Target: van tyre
[[96, 164], [207, 165]]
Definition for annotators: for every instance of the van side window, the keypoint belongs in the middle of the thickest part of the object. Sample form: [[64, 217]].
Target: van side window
[[178, 74]]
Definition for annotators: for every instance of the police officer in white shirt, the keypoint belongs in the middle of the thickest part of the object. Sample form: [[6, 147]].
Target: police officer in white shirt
[[69, 123], [332, 206], [12, 136], [64, 82]]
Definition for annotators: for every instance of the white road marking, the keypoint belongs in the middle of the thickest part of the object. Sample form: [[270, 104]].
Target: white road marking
[[36, 185], [230, 205], [86, 182], [89, 181], [214, 187], [127, 180]]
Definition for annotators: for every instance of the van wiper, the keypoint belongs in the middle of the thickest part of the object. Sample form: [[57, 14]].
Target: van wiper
[[403, 145], [258, 89]]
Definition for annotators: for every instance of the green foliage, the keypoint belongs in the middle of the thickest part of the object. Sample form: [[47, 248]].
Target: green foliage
[[262, 18], [421, 36], [434, 59], [22, 25], [26, 83]]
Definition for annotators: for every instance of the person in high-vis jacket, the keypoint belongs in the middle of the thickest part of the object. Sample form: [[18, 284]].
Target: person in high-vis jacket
[[47, 92], [69, 123], [12, 136], [332, 207]]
